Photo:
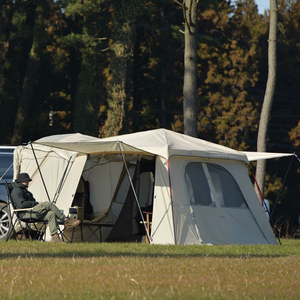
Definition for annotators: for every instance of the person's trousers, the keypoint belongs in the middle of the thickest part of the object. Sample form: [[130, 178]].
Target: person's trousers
[[49, 212]]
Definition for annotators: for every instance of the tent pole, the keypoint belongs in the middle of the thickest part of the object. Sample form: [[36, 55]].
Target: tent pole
[[171, 195], [39, 171], [258, 188], [279, 195], [265, 206], [123, 173], [262, 199], [135, 196], [61, 182], [281, 187]]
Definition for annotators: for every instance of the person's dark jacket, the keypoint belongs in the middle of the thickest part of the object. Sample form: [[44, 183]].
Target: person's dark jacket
[[21, 197]]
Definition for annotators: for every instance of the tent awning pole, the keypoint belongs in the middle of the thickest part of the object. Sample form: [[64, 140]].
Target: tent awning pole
[[264, 206], [281, 188], [61, 182], [135, 196], [39, 171]]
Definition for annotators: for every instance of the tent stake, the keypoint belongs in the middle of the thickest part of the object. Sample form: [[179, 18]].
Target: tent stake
[[135, 196]]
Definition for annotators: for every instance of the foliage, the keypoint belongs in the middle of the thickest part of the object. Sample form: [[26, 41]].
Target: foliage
[[83, 83], [229, 112]]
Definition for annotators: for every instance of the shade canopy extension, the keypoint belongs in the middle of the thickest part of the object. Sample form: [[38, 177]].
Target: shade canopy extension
[[195, 191], [254, 156]]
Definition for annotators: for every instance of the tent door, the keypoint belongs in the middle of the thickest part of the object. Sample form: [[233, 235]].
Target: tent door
[[82, 199], [129, 226]]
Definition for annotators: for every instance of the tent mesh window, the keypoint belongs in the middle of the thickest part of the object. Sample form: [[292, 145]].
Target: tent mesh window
[[223, 186], [197, 185], [226, 188]]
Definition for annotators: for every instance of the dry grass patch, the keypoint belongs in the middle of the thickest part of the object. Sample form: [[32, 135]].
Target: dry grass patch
[[32, 270]]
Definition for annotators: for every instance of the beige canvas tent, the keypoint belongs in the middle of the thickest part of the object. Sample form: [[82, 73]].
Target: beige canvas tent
[[196, 191]]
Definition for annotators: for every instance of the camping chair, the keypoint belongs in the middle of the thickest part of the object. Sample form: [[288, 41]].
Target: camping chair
[[30, 228]]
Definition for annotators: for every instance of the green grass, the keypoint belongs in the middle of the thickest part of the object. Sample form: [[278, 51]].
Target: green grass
[[36, 270]]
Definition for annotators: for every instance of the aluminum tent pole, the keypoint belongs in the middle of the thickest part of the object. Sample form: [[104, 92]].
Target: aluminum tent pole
[[281, 187], [59, 188], [40, 171]]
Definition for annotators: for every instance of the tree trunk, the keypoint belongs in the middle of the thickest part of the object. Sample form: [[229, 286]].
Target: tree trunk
[[163, 82], [122, 47], [268, 99], [190, 68], [30, 76]]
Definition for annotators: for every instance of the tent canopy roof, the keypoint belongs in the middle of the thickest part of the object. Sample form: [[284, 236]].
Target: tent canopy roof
[[160, 142]]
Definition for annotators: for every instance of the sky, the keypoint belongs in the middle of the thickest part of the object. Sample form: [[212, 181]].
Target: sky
[[262, 5]]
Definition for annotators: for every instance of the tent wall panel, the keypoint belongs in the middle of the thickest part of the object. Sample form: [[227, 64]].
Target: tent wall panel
[[103, 179], [162, 220]]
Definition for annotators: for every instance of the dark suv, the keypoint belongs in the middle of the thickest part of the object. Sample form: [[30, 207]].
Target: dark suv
[[6, 174]]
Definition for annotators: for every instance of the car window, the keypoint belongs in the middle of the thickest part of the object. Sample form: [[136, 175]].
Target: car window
[[6, 168]]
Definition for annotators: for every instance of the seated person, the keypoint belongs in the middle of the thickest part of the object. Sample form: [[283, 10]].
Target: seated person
[[47, 211]]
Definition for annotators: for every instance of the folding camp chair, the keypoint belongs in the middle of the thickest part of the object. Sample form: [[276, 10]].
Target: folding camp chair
[[31, 227]]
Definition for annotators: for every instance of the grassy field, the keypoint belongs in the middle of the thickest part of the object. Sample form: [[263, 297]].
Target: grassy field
[[37, 270]]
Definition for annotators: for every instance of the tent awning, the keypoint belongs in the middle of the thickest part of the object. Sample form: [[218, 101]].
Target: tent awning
[[253, 156], [93, 147], [162, 142]]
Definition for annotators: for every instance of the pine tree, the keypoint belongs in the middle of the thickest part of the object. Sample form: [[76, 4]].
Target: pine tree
[[89, 42], [122, 45], [31, 72], [158, 67], [228, 68]]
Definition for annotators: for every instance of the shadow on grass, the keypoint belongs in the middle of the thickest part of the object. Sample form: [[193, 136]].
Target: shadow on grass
[[24, 249], [96, 255]]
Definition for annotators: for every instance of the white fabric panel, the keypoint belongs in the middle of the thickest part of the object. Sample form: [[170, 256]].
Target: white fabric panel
[[162, 231], [253, 156], [52, 164], [69, 187], [67, 138], [219, 225], [24, 158], [185, 226], [103, 179], [240, 174]]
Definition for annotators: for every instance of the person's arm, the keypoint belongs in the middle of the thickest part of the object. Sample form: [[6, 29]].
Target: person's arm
[[22, 200]]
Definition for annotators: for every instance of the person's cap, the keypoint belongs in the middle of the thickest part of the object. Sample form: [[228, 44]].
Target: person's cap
[[23, 177]]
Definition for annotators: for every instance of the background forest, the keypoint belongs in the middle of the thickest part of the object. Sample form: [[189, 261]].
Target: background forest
[[110, 67]]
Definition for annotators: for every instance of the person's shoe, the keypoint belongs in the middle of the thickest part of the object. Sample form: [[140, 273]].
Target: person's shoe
[[71, 223], [56, 239]]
